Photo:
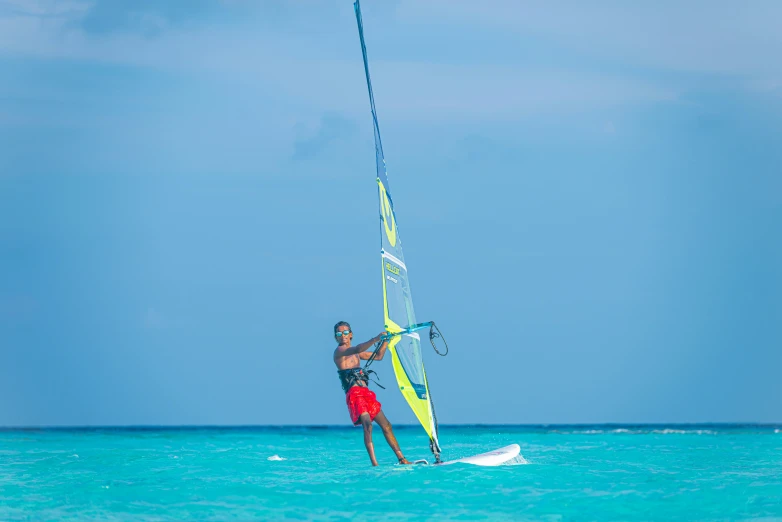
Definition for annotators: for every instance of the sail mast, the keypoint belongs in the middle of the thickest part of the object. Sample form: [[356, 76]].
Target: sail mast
[[379, 157]]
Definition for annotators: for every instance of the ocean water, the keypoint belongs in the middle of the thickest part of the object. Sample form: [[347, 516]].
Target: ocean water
[[323, 473]]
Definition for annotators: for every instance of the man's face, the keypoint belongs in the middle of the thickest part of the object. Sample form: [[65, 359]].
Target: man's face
[[343, 335]]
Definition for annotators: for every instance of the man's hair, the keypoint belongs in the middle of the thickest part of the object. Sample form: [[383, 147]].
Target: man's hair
[[341, 323]]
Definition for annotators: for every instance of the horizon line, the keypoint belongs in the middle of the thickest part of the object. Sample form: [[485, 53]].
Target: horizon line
[[186, 427]]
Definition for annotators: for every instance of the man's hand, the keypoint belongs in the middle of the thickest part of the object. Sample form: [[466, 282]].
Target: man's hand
[[377, 355]]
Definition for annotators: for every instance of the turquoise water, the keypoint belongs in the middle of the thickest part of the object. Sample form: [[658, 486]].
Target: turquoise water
[[568, 472]]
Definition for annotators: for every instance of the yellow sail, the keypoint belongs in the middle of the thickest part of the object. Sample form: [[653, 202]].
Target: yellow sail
[[399, 316]]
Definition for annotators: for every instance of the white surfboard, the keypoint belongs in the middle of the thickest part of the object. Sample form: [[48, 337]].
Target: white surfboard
[[490, 458]]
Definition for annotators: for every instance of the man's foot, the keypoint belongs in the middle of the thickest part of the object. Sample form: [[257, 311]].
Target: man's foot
[[403, 461]]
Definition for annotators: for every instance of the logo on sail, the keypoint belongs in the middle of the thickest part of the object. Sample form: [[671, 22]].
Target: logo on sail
[[388, 215]]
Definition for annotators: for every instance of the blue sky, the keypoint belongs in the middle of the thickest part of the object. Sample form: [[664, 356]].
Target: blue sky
[[590, 199]]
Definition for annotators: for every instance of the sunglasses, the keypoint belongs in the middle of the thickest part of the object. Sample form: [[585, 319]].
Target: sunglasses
[[343, 334]]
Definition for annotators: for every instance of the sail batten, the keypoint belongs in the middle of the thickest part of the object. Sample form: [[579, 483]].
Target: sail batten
[[398, 312]]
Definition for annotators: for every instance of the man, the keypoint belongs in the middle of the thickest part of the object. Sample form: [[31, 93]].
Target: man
[[361, 401]]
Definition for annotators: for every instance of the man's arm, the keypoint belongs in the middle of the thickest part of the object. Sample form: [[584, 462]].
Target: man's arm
[[380, 352], [359, 348]]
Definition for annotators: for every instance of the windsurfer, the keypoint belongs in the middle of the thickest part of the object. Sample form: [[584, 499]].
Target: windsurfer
[[362, 403]]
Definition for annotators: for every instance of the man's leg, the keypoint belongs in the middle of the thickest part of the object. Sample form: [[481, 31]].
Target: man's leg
[[388, 433], [366, 422]]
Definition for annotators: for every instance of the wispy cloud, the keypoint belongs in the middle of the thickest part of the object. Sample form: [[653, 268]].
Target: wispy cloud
[[17, 309], [42, 8], [698, 36], [301, 62], [151, 17], [331, 129], [297, 66], [153, 319]]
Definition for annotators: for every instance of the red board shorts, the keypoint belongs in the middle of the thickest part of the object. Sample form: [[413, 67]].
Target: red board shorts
[[361, 400]]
